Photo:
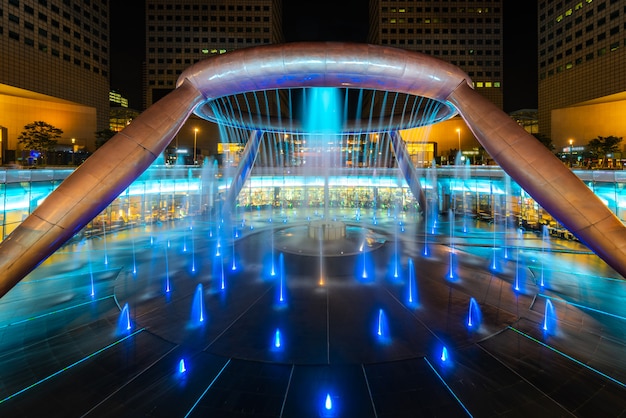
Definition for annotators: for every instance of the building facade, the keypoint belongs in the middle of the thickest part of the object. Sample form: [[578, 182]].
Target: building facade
[[582, 76], [178, 34], [468, 34], [465, 33], [54, 68]]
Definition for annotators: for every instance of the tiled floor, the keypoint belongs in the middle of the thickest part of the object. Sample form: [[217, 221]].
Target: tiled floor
[[375, 339]]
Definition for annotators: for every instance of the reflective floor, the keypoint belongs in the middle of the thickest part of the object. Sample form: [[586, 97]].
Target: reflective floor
[[190, 318]]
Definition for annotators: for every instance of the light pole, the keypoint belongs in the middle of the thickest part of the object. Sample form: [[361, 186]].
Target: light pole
[[195, 138], [571, 141], [459, 156]]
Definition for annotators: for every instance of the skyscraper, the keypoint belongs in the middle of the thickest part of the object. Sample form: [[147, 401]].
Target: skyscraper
[[179, 34], [582, 76], [54, 67], [465, 33]]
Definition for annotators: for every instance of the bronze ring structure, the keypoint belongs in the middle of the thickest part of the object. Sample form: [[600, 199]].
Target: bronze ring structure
[[110, 170]]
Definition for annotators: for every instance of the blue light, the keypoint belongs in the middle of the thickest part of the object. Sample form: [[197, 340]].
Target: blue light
[[328, 404], [277, 340], [444, 354]]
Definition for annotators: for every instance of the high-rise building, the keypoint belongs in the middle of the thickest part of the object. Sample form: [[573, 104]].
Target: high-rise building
[[179, 34], [582, 71], [54, 68], [465, 33]]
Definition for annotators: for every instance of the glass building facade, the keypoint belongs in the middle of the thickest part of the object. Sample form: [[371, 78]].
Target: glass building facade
[[167, 193]]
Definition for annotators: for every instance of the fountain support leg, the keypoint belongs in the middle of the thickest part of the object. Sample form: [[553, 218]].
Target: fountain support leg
[[544, 177], [243, 171], [408, 169], [94, 185]]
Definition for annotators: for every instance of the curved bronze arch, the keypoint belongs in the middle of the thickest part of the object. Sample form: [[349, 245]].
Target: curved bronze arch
[[110, 170]]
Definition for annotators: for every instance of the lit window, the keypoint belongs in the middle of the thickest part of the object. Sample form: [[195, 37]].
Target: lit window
[[479, 84]]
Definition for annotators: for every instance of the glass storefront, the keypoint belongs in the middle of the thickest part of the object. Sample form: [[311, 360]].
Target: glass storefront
[[171, 193]]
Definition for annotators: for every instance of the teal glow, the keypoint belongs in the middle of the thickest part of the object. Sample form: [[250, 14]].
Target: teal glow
[[580, 363], [32, 318], [448, 387], [207, 389], [95, 353], [578, 305]]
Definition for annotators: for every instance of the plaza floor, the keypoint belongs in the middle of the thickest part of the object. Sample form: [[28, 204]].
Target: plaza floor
[[190, 318]]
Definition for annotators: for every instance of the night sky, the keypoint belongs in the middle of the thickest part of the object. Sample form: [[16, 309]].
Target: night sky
[[313, 21]]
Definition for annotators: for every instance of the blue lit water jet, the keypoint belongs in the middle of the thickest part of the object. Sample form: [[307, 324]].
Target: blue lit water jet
[[549, 318], [273, 270], [444, 355], [396, 269], [182, 368], [474, 316], [193, 250], [328, 403], [452, 253], [134, 257], [281, 279], [364, 270], [277, 339], [222, 275], [412, 285], [321, 258], [545, 236], [104, 243], [167, 273], [233, 266], [123, 324], [382, 327], [520, 272], [93, 288], [197, 306]]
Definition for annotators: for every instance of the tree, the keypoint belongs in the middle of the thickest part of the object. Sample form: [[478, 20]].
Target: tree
[[601, 146], [40, 136], [545, 140], [103, 136]]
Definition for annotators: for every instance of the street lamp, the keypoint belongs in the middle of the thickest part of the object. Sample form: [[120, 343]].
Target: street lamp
[[571, 141], [195, 138]]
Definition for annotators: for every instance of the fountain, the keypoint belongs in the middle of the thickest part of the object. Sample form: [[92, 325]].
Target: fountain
[[197, 306], [412, 295], [281, 283], [444, 355], [277, 339], [549, 319], [123, 324], [315, 193], [474, 316]]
